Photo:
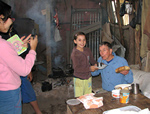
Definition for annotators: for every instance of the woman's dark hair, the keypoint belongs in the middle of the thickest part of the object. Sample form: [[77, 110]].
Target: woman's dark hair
[[77, 34], [5, 10], [107, 44]]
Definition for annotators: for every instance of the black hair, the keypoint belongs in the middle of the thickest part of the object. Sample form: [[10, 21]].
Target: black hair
[[77, 34], [5, 10], [106, 43]]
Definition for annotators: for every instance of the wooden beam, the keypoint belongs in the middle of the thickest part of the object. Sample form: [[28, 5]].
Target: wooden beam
[[147, 68], [90, 28], [131, 46], [119, 21], [48, 39], [137, 43], [137, 40]]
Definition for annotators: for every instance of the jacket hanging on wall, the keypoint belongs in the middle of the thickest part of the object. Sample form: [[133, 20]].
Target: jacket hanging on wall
[[122, 9], [137, 18]]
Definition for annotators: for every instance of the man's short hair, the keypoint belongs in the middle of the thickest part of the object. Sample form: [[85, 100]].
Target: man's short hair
[[106, 43]]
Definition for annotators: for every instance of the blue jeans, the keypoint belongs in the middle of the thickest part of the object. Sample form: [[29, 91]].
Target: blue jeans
[[10, 102]]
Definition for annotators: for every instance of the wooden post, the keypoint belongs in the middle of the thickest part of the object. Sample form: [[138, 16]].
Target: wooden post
[[131, 46], [48, 40], [119, 22], [137, 43], [147, 68]]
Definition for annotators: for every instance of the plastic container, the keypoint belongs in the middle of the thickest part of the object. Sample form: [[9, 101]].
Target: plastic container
[[116, 93], [124, 96]]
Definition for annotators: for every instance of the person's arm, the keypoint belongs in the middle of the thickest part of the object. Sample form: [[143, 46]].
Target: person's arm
[[21, 66], [33, 42], [129, 77], [92, 61], [95, 73], [94, 67], [128, 74]]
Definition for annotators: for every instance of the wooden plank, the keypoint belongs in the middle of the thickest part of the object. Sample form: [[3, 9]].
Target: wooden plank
[[68, 40], [131, 46], [147, 68], [137, 44], [119, 21], [90, 28], [48, 39]]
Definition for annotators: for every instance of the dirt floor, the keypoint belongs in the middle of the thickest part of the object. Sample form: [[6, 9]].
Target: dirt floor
[[54, 101]]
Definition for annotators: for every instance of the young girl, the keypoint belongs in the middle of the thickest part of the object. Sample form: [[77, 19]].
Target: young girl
[[82, 60]]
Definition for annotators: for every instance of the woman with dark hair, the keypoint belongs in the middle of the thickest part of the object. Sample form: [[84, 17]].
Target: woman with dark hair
[[12, 66]]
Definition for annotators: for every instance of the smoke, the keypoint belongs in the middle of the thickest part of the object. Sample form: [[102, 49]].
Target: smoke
[[35, 13], [59, 60]]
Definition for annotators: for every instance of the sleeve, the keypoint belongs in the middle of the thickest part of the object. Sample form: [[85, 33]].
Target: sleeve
[[92, 61], [96, 73], [19, 65], [129, 77]]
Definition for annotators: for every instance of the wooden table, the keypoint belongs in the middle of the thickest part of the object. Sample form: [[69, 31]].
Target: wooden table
[[109, 102]]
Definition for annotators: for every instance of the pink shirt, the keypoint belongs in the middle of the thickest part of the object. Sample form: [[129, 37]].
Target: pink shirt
[[13, 66]]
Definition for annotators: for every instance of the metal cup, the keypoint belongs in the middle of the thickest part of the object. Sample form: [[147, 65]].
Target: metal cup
[[135, 88]]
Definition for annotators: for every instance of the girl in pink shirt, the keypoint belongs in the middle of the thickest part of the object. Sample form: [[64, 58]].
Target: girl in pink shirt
[[12, 66]]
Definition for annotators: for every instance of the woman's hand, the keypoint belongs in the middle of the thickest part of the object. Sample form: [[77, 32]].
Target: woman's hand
[[25, 40], [33, 42]]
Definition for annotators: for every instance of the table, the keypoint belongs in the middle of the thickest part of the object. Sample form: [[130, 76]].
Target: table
[[109, 102]]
